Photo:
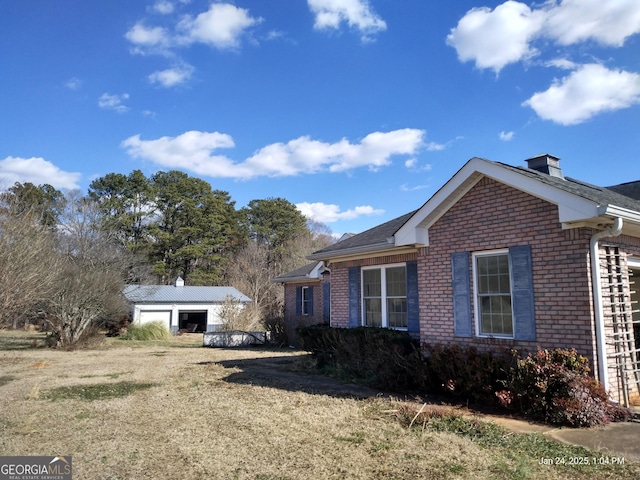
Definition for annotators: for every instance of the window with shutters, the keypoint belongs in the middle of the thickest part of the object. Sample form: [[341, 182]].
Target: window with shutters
[[492, 285], [305, 299], [384, 296]]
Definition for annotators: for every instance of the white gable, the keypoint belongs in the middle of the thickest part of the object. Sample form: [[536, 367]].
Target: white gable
[[573, 210]]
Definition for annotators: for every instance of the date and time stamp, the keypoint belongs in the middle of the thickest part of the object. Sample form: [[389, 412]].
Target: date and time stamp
[[577, 461]]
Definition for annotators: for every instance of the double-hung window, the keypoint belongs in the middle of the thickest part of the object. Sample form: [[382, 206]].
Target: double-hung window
[[305, 305], [384, 296], [492, 285]]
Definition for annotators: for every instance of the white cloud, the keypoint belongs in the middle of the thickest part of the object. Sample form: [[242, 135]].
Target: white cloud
[[496, 38], [222, 26], [142, 36], [73, 83], [412, 164], [608, 22], [35, 170], [163, 7], [504, 35], [329, 14], [589, 90], [328, 213], [436, 147], [192, 151], [172, 76], [563, 63], [406, 188], [195, 151], [506, 136], [113, 102]]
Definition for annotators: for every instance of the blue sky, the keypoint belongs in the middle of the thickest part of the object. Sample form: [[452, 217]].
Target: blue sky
[[356, 111]]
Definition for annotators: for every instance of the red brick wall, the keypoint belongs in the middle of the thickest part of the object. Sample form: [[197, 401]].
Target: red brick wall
[[495, 216], [340, 284], [293, 321]]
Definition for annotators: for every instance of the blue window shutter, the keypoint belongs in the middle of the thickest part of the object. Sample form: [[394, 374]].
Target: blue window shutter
[[326, 301], [310, 301], [413, 305], [298, 301], [522, 293], [354, 297], [461, 294]]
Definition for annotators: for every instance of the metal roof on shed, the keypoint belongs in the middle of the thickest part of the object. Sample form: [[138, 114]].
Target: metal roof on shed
[[184, 294]]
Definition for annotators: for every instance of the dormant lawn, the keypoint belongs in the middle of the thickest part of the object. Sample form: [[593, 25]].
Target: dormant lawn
[[175, 410]]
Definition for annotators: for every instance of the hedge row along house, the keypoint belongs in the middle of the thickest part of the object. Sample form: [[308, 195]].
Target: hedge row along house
[[502, 257]]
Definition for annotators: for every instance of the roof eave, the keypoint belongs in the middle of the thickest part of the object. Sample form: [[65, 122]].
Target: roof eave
[[363, 252], [624, 213], [300, 279]]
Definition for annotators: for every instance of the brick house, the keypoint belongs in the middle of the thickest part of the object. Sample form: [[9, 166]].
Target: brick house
[[504, 257], [306, 298]]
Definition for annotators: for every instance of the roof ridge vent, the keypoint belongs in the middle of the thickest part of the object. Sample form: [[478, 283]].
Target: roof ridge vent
[[179, 282], [546, 163]]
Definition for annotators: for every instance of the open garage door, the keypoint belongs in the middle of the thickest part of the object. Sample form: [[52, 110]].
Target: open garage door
[[193, 321], [163, 316]]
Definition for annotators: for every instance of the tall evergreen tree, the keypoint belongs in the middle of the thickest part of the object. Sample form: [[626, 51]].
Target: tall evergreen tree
[[274, 223], [43, 202], [127, 206], [194, 229]]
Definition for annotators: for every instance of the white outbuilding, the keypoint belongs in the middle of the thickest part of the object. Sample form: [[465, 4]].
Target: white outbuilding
[[180, 307]]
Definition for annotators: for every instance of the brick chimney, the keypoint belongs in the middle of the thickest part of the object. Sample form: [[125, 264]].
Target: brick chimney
[[546, 163]]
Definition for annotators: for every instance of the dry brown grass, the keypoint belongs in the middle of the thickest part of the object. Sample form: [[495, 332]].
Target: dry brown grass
[[221, 414]]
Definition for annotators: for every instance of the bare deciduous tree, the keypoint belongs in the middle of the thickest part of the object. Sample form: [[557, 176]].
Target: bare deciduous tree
[[28, 265], [236, 316], [88, 287], [249, 272], [252, 270]]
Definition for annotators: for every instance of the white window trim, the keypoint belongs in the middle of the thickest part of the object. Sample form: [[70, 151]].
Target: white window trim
[[476, 304], [633, 262], [383, 280], [304, 291]]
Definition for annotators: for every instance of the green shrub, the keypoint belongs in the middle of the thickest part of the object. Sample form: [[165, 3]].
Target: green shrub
[[384, 358], [555, 386], [551, 385], [464, 371], [147, 331], [277, 333]]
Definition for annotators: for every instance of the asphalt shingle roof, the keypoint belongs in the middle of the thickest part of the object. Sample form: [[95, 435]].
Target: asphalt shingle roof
[[185, 294], [373, 236], [631, 189], [626, 195], [297, 273], [602, 195]]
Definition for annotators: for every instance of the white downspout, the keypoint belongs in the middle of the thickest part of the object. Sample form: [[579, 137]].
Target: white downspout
[[603, 375]]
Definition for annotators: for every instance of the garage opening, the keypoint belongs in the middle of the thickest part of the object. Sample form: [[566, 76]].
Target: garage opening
[[193, 321]]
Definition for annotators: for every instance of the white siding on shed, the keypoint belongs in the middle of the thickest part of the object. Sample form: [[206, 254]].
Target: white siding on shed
[[147, 316]]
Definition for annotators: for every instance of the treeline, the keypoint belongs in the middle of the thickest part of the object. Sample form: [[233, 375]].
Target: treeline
[[57, 246]]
